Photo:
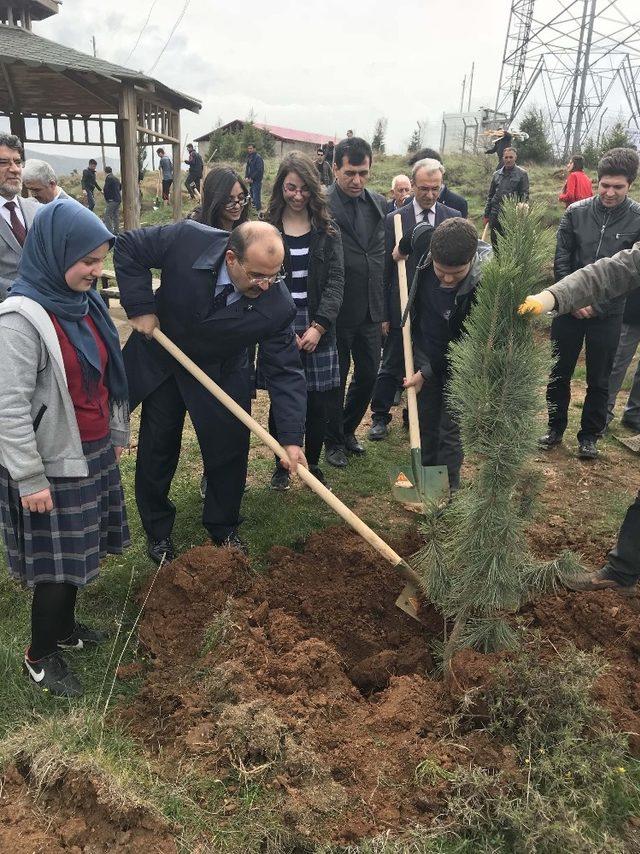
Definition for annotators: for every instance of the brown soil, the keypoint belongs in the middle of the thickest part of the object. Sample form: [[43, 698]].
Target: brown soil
[[312, 681], [75, 817]]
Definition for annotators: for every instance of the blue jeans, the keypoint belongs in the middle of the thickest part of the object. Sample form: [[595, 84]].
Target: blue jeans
[[255, 191], [91, 202]]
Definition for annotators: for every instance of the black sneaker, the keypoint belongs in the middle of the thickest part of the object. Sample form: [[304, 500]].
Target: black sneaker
[[280, 479], [549, 440], [233, 541], [317, 472], [159, 550], [587, 449], [53, 674], [83, 636]]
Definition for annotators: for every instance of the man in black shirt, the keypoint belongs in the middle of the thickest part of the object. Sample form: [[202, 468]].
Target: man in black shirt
[[89, 183]]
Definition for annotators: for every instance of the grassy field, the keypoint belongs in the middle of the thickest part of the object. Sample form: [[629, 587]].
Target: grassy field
[[51, 738]]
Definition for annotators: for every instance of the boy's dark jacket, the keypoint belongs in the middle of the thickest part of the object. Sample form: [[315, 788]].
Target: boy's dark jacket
[[431, 358]]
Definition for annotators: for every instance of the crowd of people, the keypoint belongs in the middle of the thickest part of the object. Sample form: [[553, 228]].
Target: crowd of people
[[310, 292]]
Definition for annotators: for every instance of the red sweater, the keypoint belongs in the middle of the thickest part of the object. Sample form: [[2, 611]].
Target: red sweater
[[92, 411], [578, 187]]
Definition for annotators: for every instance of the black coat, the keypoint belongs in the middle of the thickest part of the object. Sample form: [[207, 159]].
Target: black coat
[[408, 216], [363, 265], [325, 281], [189, 256], [506, 183], [499, 145], [454, 200], [589, 231]]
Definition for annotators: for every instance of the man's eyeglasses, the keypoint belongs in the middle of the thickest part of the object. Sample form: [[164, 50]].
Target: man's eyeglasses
[[240, 202], [264, 280]]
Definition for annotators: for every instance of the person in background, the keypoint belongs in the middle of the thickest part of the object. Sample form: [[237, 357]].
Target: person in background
[[254, 173], [627, 346], [113, 199], [608, 280], [329, 152], [194, 175], [40, 179], [426, 182], [503, 140], [166, 171], [89, 184], [400, 192], [324, 169], [591, 229], [360, 215], [315, 278], [349, 134], [508, 182], [447, 196], [64, 420], [578, 185], [16, 213]]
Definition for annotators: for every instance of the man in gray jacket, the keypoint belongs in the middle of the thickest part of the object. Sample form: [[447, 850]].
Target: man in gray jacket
[[607, 279], [510, 181], [16, 213]]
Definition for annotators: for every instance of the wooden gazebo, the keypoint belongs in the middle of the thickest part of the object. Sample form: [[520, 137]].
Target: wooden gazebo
[[54, 94]]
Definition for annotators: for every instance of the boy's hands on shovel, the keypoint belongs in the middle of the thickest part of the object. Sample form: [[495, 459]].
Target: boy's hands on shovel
[[145, 324], [295, 457], [416, 381]]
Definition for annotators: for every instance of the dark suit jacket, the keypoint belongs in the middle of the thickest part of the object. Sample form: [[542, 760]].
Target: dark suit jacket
[[10, 249], [454, 200], [363, 265], [408, 216], [189, 256]]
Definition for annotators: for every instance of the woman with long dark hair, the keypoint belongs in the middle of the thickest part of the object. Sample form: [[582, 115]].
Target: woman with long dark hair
[[64, 419], [315, 277], [225, 199]]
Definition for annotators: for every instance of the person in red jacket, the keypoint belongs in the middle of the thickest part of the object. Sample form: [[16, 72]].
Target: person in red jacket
[[578, 185]]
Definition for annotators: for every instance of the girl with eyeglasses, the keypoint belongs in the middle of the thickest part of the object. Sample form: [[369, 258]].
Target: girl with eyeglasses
[[225, 200], [315, 277]]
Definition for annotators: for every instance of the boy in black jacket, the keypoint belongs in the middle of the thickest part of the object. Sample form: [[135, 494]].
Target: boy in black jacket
[[447, 278]]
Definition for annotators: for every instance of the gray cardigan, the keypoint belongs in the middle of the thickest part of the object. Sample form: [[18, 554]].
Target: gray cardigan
[[39, 435]]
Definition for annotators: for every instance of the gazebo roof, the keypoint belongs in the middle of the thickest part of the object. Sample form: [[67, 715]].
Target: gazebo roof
[[41, 76]]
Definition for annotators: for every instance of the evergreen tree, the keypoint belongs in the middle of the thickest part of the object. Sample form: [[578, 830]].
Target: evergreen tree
[[417, 137], [537, 147], [476, 561], [616, 137], [231, 145], [379, 133]]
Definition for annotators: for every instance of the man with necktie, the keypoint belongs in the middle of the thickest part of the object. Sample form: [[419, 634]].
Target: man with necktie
[[360, 215], [219, 294], [16, 213]]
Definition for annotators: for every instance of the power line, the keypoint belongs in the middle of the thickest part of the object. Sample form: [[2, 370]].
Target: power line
[[173, 29], [140, 34]]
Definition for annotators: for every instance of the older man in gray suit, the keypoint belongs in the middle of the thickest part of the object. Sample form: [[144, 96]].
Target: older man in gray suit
[[40, 179], [16, 213]]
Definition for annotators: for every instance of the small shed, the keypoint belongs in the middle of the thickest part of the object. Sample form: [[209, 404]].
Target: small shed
[[55, 94], [285, 139]]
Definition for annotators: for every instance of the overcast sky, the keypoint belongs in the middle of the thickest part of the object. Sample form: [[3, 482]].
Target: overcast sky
[[321, 67]]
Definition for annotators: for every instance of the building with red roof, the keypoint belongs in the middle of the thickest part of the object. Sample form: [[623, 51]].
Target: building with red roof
[[285, 139]]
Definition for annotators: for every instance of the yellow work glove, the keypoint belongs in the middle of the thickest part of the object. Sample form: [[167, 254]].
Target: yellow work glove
[[538, 303]]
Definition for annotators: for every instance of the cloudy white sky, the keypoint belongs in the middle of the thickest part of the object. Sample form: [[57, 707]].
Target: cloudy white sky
[[321, 67]]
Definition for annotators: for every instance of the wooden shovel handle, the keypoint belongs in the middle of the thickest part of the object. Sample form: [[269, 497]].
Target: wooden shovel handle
[[412, 401], [305, 475]]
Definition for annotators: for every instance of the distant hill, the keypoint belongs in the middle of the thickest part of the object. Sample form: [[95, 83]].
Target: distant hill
[[62, 164]]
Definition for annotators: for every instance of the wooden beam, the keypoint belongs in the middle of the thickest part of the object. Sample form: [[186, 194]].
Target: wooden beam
[[15, 106], [128, 137], [91, 90], [161, 137], [176, 150]]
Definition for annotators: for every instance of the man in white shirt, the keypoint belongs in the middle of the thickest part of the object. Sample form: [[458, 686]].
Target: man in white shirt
[[16, 213], [40, 179]]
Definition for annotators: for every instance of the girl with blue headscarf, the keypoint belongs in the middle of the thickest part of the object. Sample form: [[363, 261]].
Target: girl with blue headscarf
[[64, 420]]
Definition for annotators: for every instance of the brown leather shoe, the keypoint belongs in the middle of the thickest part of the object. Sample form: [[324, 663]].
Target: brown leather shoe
[[600, 580]]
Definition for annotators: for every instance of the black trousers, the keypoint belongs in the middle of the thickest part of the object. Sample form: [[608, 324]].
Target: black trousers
[[362, 345], [439, 430], [600, 338], [389, 377], [192, 183], [316, 420], [223, 440], [52, 617], [624, 558]]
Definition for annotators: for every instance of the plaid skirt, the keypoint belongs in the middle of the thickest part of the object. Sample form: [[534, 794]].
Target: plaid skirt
[[88, 521], [321, 368]]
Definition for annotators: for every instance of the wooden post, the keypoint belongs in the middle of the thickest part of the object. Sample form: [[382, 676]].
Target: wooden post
[[128, 142], [177, 168]]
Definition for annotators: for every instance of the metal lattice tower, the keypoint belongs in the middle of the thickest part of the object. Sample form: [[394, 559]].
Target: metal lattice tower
[[579, 59]]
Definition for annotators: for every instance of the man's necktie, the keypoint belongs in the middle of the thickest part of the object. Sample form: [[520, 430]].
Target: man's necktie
[[358, 221], [425, 216], [220, 300], [19, 231]]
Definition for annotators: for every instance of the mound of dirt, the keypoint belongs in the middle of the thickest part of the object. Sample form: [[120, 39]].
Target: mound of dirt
[[309, 679], [73, 817]]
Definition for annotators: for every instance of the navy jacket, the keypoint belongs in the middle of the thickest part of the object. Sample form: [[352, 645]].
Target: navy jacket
[[254, 168], [363, 265], [392, 291], [454, 200], [112, 188], [189, 256]]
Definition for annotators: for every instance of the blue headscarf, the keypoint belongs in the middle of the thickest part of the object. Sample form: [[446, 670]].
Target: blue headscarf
[[64, 232]]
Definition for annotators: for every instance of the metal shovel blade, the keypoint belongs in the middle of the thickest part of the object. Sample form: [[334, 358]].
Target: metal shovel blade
[[409, 601], [415, 485]]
